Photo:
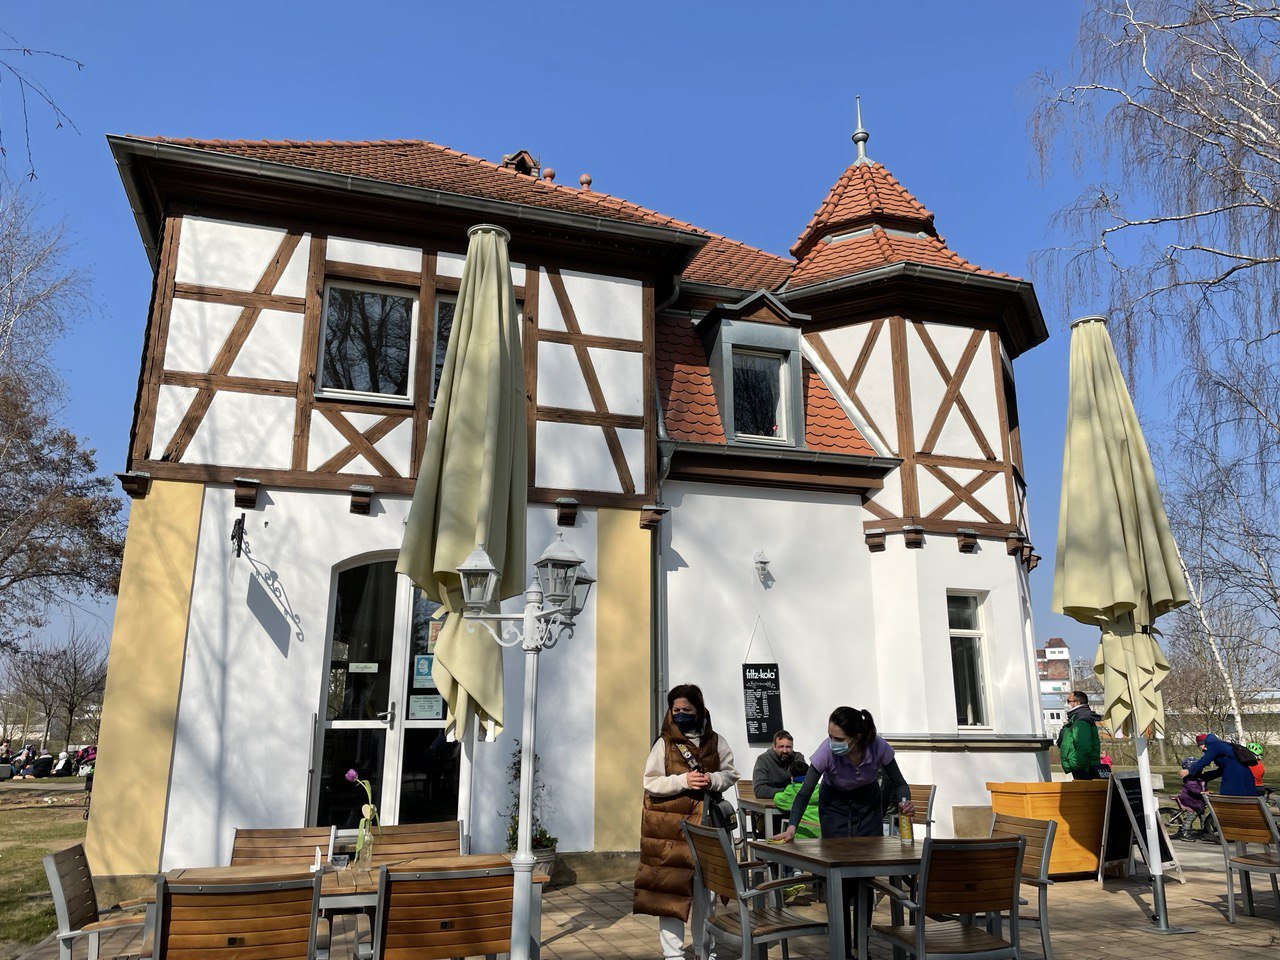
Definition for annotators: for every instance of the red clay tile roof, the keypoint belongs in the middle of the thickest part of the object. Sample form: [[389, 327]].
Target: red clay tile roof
[[826, 426], [864, 193], [841, 258], [689, 404], [419, 163], [684, 383]]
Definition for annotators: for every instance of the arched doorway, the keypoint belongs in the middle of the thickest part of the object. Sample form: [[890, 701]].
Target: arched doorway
[[381, 714]]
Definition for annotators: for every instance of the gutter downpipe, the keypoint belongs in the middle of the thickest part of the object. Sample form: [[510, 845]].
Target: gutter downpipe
[[658, 595]]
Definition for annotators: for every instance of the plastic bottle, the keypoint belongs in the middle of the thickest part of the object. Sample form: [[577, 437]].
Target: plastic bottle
[[906, 828]]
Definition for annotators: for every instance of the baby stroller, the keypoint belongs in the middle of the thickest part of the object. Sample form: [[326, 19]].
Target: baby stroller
[[1189, 819]]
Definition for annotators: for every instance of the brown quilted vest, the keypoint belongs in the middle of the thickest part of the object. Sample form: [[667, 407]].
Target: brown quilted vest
[[664, 882]]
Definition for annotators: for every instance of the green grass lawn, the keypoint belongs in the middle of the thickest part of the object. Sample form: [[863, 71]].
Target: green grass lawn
[[29, 832]]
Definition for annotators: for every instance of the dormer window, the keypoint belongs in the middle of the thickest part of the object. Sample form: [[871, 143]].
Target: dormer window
[[753, 351], [760, 394]]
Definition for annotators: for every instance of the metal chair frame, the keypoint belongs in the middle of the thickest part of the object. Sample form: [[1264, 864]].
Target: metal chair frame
[[1037, 875], [75, 904], [729, 879], [1249, 820]]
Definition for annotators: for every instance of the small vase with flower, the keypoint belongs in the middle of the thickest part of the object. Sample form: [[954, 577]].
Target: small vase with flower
[[369, 823]]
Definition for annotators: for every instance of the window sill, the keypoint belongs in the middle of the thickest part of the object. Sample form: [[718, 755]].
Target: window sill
[[751, 440], [342, 396]]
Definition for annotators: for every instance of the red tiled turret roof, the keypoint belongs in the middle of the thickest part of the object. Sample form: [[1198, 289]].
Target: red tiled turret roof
[[420, 163], [865, 193]]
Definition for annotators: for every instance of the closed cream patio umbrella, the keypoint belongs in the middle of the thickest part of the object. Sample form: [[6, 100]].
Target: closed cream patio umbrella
[[473, 486], [1117, 564]]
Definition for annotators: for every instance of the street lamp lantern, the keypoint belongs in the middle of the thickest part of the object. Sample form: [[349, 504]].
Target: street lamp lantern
[[558, 569], [479, 580], [581, 590]]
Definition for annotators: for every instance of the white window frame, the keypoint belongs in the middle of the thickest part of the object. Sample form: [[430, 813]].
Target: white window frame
[[335, 393], [784, 395], [980, 636]]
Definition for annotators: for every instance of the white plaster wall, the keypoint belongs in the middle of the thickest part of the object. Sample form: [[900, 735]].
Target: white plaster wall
[[819, 613], [560, 379], [197, 331], [252, 682], [245, 430], [575, 456], [875, 390], [273, 349], [606, 306], [565, 718], [621, 377], [219, 253], [374, 254], [171, 406]]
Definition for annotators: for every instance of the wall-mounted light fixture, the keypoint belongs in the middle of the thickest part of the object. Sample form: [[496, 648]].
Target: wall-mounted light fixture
[[762, 563], [237, 534]]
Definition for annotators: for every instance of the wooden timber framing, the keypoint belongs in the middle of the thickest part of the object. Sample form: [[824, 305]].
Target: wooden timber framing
[[230, 349], [239, 298], [649, 321], [309, 354], [594, 391], [902, 408], [530, 338], [144, 414], [425, 358]]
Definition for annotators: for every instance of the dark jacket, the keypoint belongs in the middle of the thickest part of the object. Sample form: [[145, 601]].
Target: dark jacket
[[1237, 779], [769, 776], [1078, 744]]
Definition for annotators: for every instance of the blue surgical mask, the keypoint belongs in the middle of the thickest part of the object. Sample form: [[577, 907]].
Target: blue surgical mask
[[839, 747], [685, 721]]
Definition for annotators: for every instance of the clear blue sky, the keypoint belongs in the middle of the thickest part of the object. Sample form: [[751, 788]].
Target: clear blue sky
[[734, 116]]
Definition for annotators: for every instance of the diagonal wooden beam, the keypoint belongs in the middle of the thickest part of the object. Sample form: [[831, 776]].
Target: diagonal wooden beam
[[611, 438], [864, 355], [963, 494], [359, 444], [230, 349], [827, 357], [953, 396]]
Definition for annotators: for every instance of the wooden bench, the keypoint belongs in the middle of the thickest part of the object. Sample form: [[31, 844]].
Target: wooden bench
[[284, 847]]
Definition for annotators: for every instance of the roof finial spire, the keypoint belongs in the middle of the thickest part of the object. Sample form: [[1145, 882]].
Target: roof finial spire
[[860, 136]]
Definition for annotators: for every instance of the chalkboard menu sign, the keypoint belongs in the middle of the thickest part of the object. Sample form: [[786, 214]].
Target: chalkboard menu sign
[[763, 696], [1126, 825]]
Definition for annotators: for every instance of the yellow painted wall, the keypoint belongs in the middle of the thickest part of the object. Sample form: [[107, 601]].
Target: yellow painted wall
[[144, 676], [622, 676]]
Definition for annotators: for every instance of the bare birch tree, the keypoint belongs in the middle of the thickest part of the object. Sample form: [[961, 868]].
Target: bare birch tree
[[17, 66]]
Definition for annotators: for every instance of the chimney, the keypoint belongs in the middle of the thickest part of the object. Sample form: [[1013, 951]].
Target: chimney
[[522, 161]]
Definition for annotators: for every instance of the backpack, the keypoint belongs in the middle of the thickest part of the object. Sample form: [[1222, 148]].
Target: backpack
[[1244, 755]]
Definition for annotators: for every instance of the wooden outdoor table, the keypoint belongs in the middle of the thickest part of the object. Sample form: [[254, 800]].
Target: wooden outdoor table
[[773, 817], [356, 888], [845, 858]]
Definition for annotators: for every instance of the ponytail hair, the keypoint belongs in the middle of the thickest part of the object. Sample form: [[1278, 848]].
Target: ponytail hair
[[858, 725]]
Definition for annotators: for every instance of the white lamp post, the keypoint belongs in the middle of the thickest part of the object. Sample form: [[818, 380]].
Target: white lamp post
[[556, 595]]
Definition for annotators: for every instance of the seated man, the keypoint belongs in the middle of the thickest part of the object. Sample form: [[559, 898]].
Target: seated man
[[772, 771]]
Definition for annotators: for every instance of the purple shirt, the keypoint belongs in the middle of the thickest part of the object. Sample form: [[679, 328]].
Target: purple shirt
[[839, 772]]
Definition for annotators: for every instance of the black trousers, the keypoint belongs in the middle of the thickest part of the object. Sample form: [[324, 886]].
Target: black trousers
[[850, 813]]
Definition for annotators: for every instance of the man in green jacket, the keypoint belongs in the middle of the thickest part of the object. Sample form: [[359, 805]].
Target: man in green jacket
[[785, 797], [1078, 744]]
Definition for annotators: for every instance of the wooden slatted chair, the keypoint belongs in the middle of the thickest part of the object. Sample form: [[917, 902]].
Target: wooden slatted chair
[[1242, 821], [283, 847], [76, 905], [264, 920], [922, 795], [749, 922], [406, 841], [959, 877], [435, 914], [1039, 835]]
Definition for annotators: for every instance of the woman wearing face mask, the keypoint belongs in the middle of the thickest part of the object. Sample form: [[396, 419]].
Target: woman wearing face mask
[[850, 764], [687, 760]]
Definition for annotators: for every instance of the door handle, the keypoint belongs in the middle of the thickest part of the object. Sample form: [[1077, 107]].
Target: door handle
[[388, 716]]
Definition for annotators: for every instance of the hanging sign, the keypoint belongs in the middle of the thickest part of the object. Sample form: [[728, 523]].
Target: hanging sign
[[763, 696]]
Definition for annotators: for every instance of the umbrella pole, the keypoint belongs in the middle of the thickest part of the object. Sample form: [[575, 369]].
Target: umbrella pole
[[1155, 864], [466, 727], [522, 862]]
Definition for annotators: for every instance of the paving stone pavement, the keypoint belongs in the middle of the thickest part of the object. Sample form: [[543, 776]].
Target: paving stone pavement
[[593, 921]]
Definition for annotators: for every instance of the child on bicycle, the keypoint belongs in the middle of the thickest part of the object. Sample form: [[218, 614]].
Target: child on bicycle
[[1190, 800]]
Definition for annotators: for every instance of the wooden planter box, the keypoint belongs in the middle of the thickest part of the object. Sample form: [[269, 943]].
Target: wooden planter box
[[1078, 806]]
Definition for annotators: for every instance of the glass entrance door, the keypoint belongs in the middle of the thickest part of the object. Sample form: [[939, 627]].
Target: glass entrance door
[[382, 715]]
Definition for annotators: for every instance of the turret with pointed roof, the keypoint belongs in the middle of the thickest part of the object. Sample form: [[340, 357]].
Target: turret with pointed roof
[[867, 220]]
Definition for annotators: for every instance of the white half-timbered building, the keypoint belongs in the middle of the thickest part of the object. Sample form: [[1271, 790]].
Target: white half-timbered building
[[810, 460]]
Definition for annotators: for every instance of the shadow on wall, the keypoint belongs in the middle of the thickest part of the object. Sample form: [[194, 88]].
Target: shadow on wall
[[268, 600]]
